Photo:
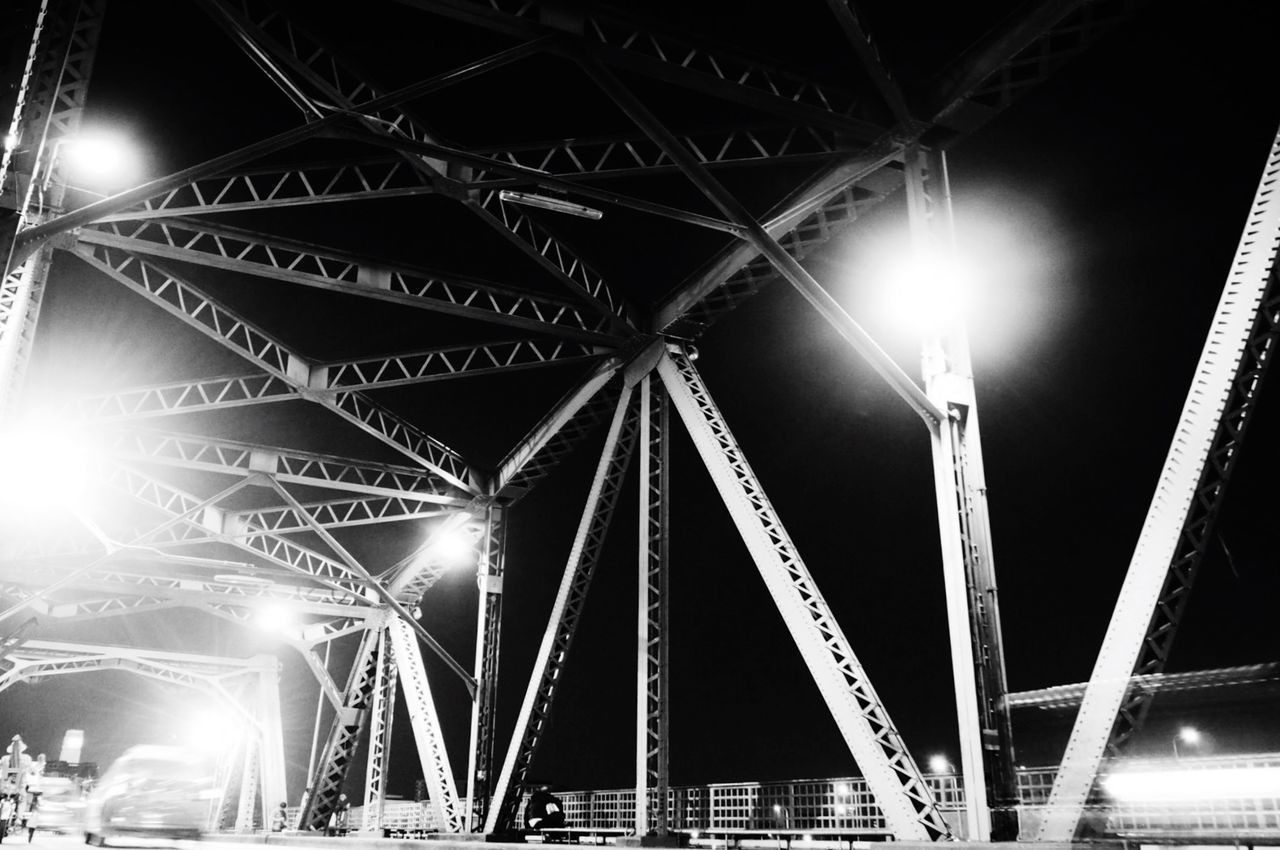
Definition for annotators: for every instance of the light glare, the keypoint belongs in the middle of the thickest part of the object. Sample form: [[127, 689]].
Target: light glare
[[1243, 783], [938, 763], [99, 160]]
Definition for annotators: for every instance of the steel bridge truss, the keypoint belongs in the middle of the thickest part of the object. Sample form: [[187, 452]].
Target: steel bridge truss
[[245, 688], [144, 240]]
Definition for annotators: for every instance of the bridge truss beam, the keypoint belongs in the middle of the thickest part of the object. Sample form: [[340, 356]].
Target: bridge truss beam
[[1205, 447]]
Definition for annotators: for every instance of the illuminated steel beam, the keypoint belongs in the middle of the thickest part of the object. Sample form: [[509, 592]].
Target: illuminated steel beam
[[635, 155], [382, 713], [805, 221], [371, 178], [549, 664], [433, 757], [336, 513], [1179, 520], [557, 434], [463, 360], [672, 57], [388, 598], [1021, 54], [48, 108], [1264, 678], [294, 261], [276, 550], [183, 397], [247, 459], [763, 241], [344, 734], [488, 640], [186, 302], [869, 57], [414, 574], [653, 594], [875, 743], [260, 188], [260, 28], [985, 81]]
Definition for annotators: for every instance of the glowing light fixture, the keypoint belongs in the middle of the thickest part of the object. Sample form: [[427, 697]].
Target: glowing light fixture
[[548, 203], [938, 764], [98, 159], [927, 292], [277, 618], [42, 468]]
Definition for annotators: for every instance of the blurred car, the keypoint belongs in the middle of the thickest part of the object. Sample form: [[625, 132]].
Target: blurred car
[[61, 806], [150, 791]]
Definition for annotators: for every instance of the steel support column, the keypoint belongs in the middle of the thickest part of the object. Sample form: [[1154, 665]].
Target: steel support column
[[271, 737], [548, 667], [381, 715], [651, 645], [340, 747], [50, 104], [248, 782], [426, 728], [874, 742], [488, 639], [973, 616]]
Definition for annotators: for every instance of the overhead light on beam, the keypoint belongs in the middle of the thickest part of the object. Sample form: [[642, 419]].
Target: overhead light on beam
[[547, 203]]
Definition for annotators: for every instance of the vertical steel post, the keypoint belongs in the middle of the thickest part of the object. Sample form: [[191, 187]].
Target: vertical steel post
[[248, 783], [488, 639], [381, 713], [973, 618], [271, 736], [652, 646], [48, 110]]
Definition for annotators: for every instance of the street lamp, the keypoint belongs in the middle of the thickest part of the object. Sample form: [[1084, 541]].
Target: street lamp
[[1187, 735], [938, 764]]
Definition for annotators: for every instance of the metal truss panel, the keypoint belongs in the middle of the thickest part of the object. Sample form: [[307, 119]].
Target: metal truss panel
[[188, 303], [248, 785], [644, 48], [276, 550], [183, 397], [488, 640], [1226, 357], [307, 64], [453, 362], [344, 735], [557, 434], [875, 743], [312, 469], [272, 188], [382, 714], [336, 513], [805, 221], [992, 75], [549, 665], [427, 732], [293, 261], [652, 720]]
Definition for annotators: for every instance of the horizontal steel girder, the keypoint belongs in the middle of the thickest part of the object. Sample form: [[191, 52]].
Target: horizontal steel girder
[[293, 261], [317, 470]]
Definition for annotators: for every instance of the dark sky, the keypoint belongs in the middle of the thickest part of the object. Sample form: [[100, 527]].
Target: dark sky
[[1100, 213]]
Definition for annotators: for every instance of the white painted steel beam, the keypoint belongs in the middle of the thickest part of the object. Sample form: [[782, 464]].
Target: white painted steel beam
[[1220, 360], [427, 732], [548, 665], [271, 738], [874, 742], [382, 713]]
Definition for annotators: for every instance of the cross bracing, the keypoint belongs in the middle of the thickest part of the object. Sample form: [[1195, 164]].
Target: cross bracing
[[831, 148]]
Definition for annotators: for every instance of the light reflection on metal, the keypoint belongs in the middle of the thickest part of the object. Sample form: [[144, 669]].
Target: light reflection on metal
[[548, 203]]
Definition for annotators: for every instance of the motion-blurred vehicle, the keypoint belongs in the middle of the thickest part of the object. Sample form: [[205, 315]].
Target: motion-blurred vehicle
[[61, 807], [150, 791]]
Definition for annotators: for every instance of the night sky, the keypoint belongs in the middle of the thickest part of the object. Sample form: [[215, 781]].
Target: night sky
[[1100, 214]]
